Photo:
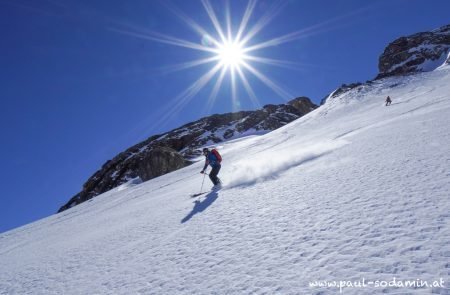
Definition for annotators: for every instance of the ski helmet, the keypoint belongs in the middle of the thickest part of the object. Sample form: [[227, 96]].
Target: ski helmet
[[205, 150]]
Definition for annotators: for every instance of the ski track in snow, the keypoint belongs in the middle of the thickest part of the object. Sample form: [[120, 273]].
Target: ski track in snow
[[353, 190]]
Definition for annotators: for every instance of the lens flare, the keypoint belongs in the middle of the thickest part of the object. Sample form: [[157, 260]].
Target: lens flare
[[207, 40]]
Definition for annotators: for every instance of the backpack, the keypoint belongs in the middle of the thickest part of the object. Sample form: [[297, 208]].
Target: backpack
[[218, 156]]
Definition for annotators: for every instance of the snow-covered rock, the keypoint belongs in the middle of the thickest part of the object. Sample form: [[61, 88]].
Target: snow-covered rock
[[420, 52]]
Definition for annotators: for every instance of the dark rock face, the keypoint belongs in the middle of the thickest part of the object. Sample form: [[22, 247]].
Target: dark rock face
[[164, 153], [416, 53], [302, 104], [159, 161]]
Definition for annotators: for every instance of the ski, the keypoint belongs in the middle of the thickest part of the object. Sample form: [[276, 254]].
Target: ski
[[198, 194]]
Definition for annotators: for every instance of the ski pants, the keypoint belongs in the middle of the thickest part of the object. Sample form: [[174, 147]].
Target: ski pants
[[213, 174]]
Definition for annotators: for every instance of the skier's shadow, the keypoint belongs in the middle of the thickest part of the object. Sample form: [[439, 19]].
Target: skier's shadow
[[200, 206]]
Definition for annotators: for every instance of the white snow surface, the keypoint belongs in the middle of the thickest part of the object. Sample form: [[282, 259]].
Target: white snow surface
[[352, 191]]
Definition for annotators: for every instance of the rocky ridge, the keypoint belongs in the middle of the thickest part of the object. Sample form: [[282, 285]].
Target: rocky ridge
[[163, 153]]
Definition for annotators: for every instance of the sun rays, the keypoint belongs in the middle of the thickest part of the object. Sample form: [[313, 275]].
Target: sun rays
[[231, 53]]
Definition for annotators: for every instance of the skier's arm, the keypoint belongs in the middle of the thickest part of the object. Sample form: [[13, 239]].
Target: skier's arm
[[206, 165]]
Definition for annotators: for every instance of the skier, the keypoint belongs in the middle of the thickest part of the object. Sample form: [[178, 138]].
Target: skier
[[388, 101], [213, 159]]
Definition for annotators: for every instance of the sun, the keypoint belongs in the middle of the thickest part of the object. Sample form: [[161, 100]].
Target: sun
[[231, 54]]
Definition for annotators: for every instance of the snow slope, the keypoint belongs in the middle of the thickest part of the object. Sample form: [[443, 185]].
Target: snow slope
[[352, 191]]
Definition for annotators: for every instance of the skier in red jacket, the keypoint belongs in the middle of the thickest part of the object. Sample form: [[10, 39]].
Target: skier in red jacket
[[213, 159]]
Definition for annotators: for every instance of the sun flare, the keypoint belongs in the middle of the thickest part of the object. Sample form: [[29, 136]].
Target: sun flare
[[230, 54]]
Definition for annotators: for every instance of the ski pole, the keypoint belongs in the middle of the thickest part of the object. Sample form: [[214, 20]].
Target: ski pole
[[204, 174]]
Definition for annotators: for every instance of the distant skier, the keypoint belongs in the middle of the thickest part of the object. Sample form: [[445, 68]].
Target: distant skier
[[388, 101], [213, 159]]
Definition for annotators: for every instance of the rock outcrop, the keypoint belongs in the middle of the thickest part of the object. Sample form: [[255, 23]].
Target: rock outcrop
[[419, 52], [164, 153]]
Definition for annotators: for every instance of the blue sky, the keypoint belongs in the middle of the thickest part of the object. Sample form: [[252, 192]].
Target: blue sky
[[78, 85]]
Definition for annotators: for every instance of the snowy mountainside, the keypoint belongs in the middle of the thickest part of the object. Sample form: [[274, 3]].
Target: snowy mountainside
[[351, 191]]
